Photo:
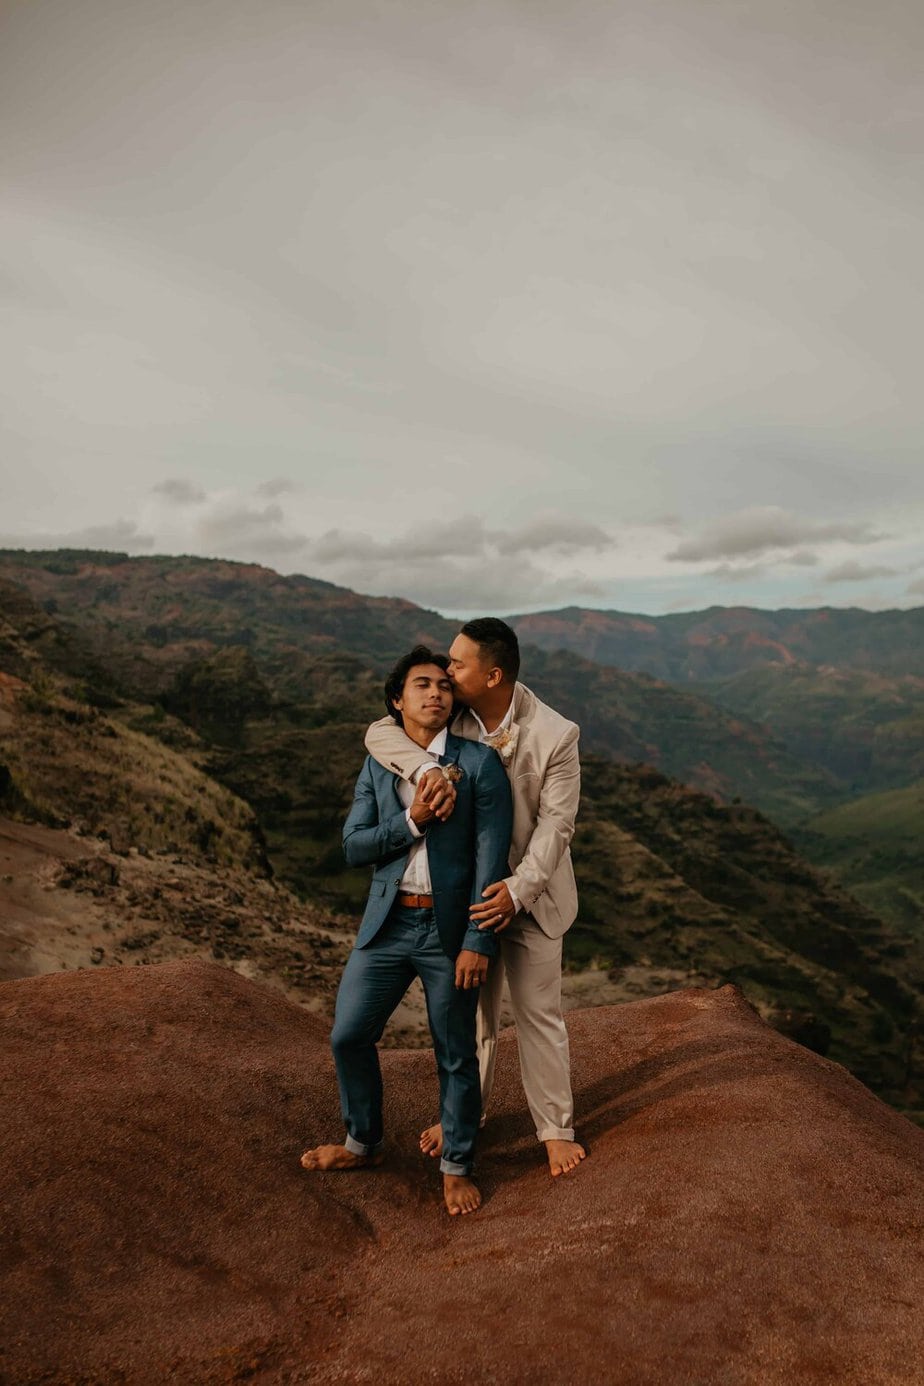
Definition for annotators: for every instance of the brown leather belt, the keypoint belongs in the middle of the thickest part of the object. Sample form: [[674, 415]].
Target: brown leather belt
[[415, 902]]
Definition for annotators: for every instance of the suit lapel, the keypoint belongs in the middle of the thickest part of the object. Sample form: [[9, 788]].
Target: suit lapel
[[453, 748], [524, 704]]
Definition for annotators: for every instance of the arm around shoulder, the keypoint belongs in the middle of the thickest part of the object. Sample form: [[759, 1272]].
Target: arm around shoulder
[[394, 750]]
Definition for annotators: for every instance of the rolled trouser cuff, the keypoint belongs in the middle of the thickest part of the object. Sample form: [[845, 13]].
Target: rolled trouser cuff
[[453, 1167], [357, 1148], [555, 1133]]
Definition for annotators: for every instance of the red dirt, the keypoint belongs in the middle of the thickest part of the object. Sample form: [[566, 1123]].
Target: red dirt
[[749, 1212]]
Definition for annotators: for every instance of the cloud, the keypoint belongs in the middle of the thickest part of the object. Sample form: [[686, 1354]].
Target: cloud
[[178, 491], [471, 584], [465, 537], [460, 537], [255, 534], [916, 588], [553, 534], [852, 571], [729, 572], [122, 536], [462, 565], [761, 529], [733, 572], [276, 486]]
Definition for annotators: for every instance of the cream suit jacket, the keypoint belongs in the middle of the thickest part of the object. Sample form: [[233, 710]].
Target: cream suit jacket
[[545, 777]]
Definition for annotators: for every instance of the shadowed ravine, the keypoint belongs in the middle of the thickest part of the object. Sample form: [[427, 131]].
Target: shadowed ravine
[[748, 1213]]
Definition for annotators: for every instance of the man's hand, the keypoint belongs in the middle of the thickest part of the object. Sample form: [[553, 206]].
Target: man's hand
[[437, 794], [498, 908], [471, 969], [420, 810]]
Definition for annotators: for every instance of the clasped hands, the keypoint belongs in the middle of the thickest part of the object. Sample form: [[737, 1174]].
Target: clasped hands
[[434, 797]]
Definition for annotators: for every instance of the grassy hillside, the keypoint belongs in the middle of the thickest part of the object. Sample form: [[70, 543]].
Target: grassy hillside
[[67, 764], [667, 874], [66, 761], [864, 727], [630, 717], [874, 845]]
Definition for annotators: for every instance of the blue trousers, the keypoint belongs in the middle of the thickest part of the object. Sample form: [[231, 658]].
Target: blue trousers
[[373, 982]]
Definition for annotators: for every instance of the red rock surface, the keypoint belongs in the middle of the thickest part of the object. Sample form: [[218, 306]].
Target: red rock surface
[[748, 1214]]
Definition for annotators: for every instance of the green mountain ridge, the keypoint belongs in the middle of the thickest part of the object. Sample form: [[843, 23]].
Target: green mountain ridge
[[865, 728], [874, 844], [841, 692], [149, 619]]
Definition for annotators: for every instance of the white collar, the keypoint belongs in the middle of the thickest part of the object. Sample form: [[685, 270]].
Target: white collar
[[438, 744]]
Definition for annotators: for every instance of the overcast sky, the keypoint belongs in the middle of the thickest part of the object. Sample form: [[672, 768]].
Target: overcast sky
[[495, 306]]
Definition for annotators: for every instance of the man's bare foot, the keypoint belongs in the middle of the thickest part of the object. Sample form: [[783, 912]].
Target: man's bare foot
[[461, 1194], [431, 1141], [337, 1157], [564, 1156]]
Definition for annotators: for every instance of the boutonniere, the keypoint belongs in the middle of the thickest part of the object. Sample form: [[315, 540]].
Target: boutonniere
[[452, 772], [504, 742]]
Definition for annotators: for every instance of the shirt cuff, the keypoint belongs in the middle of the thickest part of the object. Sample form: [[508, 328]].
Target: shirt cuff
[[417, 832], [427, 765], [518, 903]]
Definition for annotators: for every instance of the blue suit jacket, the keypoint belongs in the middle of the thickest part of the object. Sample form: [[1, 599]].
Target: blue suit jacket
[[466, 853]]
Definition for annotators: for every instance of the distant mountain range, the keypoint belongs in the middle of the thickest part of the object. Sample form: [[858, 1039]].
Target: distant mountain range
[[840, 690], [722, 642], [146, 619], [216, 710]]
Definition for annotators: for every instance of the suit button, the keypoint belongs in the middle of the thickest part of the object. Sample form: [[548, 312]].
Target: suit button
[[396, 881]]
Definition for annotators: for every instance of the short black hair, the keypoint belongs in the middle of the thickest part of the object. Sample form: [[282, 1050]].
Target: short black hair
[[394, 684], [498, 644]]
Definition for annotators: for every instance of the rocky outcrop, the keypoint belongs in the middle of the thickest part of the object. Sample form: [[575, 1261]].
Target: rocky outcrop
[[69, 901], [748, 1212]]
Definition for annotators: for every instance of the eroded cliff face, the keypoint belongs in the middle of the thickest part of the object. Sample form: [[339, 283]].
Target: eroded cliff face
[[748, 1213]]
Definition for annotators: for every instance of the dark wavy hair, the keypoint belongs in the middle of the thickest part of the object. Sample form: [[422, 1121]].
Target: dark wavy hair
[[394, 684], [497, 642]]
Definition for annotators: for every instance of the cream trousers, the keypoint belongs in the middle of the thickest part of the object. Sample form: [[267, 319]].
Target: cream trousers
[[531, 963]]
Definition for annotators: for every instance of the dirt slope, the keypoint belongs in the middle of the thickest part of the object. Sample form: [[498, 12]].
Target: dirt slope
[[748, 1213], [67, 901]]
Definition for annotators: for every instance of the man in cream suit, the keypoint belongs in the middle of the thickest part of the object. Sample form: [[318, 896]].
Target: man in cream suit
[[532, 908]]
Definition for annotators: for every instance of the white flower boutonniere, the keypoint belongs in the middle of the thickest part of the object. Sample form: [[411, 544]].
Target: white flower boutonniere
[[504, 742], [452, 773]]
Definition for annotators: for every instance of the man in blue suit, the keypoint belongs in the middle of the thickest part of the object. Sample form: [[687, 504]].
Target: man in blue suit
[[427, 876]]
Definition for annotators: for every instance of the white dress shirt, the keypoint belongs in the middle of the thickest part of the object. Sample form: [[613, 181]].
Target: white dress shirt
[[502, 725], [416, 878]]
